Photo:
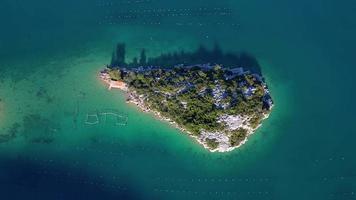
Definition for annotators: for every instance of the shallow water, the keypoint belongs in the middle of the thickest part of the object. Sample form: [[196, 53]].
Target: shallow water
[[51, 54]]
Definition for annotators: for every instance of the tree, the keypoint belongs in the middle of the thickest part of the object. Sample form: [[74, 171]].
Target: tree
[[115, 74], [212, 143], [237, 136]]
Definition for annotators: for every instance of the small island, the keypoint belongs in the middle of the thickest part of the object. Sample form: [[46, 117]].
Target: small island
[[219, 99]]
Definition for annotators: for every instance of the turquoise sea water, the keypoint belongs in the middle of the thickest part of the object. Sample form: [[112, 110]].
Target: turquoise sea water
[[51, 52]]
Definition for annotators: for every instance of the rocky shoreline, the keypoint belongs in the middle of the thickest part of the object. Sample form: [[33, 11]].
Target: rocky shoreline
[[139, 101]]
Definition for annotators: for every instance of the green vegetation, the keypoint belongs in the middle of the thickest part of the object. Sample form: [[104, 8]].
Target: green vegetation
[[115, 74], [237, 136], [256, 120], [196, 97]]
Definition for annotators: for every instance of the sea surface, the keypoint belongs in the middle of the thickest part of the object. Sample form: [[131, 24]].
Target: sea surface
[[51, 53]]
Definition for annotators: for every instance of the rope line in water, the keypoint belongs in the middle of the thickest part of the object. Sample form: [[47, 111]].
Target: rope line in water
[[121, 119]]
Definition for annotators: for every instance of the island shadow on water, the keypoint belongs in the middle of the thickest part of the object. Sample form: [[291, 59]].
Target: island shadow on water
[[182, 58]]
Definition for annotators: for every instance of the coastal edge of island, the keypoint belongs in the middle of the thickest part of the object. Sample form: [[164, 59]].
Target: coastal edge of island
[[138, 100]]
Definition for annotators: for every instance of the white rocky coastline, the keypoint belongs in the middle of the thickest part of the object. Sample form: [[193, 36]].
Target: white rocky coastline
[[224, 145]]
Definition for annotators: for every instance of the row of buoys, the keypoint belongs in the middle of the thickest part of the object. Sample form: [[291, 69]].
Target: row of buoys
[[155, 23], [176, 10], [257, 193], [338, 178], [69, 177], [345, 194], [215, 180], [159, 15], [146, 13], [341, 158]]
